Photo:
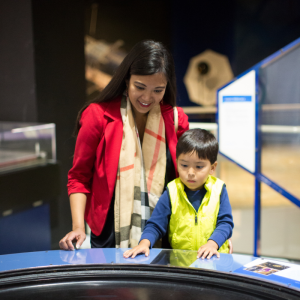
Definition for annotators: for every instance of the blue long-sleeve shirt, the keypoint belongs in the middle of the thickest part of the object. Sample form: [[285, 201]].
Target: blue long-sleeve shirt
[[156, 227]]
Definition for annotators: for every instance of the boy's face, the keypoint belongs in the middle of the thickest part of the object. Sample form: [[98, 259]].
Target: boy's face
[[193, 171]]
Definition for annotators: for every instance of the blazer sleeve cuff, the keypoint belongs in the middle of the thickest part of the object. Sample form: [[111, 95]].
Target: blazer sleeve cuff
[[78, 188]]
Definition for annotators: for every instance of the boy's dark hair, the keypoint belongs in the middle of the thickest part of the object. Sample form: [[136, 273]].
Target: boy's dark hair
[[201, 141]]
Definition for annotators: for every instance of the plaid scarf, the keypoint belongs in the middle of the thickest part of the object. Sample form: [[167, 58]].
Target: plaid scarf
[[141, 174]]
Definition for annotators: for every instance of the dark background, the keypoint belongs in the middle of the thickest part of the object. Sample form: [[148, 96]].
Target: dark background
[[42, 53]]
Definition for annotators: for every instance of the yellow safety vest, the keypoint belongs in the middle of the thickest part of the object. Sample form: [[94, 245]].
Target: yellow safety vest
[[189, 229]]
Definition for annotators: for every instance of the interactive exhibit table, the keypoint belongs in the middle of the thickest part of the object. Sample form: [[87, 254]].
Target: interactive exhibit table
[[164, 274]]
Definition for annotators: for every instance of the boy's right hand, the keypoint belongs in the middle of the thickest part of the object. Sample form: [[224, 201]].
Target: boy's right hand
[[142, 247]]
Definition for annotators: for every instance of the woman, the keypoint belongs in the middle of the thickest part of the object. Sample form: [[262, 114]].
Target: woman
[[125, 150]]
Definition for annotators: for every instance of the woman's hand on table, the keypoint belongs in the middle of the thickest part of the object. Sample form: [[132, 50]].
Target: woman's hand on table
[[142, 247], [77, 236]]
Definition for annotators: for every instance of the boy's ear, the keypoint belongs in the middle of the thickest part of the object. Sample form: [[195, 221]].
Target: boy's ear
[[213, 167]]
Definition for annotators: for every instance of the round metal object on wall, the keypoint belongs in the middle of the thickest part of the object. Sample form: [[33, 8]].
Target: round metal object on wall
[[206, 73], [134, 282]]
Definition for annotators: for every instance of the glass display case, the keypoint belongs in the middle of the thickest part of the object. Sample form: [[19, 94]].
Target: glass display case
[[29, 184], [26, 144]]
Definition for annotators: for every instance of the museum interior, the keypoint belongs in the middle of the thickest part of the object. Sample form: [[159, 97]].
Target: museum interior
[[237, 68]]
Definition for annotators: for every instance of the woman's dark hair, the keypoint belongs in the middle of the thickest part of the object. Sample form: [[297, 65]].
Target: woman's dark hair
[[200, 141], [145, 58]]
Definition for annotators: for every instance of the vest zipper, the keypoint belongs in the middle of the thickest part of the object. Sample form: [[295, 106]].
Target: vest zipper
[[196, 231], [196, 222]]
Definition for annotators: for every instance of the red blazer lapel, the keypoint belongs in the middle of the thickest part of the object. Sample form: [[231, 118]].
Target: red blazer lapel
[[168, 115], [113, 141]]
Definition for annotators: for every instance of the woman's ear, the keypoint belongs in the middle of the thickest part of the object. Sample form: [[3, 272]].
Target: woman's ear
[[213, 167]]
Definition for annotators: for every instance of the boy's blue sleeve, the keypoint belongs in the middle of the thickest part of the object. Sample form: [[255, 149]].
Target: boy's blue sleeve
[[156, 227], [224, 225]]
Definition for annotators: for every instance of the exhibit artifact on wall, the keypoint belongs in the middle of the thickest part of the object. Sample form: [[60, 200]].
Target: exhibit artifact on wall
[[206, 73], [102, 60]]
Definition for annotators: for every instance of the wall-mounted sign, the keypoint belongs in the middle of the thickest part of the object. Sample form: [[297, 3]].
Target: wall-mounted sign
[[236, 113]]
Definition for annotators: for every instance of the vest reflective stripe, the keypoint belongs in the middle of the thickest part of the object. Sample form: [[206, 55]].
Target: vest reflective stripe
[[188, 229]]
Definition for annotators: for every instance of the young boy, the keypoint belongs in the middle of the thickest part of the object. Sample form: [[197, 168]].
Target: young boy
[[195, 207]]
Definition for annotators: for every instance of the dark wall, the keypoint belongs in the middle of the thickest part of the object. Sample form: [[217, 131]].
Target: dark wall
[[197, 26], [262, 27], [246, 31], [42, 76], [58, 29], [17, 78], [131, 21]]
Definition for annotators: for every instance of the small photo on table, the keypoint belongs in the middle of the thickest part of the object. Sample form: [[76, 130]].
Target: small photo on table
[[266, 268], [254, 268], [275, 266], [266, 271]]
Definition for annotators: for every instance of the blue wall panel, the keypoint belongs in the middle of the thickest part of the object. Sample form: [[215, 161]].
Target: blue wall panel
[[26, 231]]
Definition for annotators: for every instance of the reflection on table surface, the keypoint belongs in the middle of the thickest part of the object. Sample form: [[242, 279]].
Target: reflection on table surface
[[287, 274], [173, 258]]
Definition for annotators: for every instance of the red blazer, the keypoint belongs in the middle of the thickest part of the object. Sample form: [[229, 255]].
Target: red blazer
[[97, 152]]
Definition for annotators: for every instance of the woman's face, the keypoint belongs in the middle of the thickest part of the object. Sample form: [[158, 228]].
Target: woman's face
[[146, 91]]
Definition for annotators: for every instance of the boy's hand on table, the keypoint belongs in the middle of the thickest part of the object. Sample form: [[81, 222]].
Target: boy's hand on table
[[142, 247], [208, 250]]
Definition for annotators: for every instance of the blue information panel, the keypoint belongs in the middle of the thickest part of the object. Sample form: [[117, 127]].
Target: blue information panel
[[237, 121]]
